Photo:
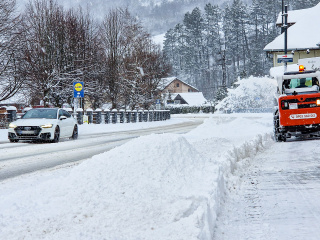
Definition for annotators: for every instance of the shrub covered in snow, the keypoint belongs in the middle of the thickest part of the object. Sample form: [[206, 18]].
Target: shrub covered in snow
[[252, 93], [182, 109]]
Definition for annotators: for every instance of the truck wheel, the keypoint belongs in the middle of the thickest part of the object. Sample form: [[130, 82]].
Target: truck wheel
[[276, 133]]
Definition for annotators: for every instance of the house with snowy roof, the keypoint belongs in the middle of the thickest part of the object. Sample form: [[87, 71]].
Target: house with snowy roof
[[176, 91], [303, 36], [175, 85], [191, 99]]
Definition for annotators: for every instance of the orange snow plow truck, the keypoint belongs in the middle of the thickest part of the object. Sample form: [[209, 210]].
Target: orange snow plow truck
[[298, 107]]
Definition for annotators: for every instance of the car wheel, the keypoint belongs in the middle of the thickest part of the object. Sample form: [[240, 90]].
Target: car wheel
[[56, 137], [75, 132], [14, 140]]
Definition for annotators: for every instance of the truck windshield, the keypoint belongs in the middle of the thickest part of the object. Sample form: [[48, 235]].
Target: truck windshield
[[300, 82]]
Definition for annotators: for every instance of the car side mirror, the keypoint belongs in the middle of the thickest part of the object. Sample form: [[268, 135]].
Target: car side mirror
[[63, 118]]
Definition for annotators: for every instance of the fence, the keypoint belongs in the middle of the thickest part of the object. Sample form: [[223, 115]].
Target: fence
[[122, 116], [99, 116]]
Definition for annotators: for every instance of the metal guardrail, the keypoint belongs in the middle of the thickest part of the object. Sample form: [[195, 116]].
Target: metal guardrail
[[122, 116], [101, 117]]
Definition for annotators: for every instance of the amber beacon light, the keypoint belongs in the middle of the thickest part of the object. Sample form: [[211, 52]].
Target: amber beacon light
[[301, 68]]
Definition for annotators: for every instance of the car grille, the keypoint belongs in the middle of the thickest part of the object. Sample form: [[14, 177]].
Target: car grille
[[27, 131]]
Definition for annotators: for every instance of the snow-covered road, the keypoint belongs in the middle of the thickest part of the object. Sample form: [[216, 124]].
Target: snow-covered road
[[22, 158], [277, 197]]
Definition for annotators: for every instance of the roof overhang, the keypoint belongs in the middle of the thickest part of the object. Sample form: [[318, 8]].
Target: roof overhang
[[291, 49]]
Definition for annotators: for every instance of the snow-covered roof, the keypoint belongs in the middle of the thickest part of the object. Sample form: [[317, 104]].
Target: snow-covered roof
[[164, 82], [193, 98], [302, 35]]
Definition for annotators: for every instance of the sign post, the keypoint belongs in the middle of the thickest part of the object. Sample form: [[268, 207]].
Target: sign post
[[78, 92], [158, 104]]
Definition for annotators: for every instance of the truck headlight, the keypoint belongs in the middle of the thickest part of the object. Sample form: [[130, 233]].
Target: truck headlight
[[46, 126], [318, 102], [11, 125]]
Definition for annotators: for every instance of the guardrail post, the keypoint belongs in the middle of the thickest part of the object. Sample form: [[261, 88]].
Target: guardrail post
[[98, 117], [140, 115], [114, 115], [121, 115], [134, 116], [79, 115], [90, 115], [167, 114], [107, 116], [145, 116], [128, 116], [154, 115], [12, 113], [151, 115]]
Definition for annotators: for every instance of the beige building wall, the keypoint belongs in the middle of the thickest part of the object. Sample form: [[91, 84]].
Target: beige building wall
[[177, 86], [297, 55]]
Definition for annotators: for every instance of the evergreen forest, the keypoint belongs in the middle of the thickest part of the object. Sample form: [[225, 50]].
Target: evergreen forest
[[212, 47]]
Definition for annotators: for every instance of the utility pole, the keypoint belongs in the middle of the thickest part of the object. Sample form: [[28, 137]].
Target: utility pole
[[282, 20], [284, 29]]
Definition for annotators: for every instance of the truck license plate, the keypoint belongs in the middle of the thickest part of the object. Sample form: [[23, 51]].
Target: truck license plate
[[293, 105], [303, 116]]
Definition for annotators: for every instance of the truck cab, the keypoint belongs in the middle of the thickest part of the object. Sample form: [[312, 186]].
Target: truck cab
[[298, 105]]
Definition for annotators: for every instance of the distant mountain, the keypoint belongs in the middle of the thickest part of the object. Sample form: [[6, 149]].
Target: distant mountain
[[156, 15]]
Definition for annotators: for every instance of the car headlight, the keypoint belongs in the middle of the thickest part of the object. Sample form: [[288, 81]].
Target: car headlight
[[46, 126], [11, 125]]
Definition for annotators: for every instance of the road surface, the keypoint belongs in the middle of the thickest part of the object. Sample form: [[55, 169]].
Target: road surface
[[21, 158]]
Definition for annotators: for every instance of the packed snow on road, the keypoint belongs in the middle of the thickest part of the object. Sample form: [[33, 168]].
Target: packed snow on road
[[170, 186]]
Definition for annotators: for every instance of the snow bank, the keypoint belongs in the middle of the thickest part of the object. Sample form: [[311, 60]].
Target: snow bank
[[164, 186], [252, 93]]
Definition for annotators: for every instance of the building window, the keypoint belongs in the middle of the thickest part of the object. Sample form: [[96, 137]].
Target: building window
[[177, 84], [189, 90], [177, 101]]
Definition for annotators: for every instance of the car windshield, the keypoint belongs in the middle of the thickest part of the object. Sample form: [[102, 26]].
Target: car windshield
[[41, 113]]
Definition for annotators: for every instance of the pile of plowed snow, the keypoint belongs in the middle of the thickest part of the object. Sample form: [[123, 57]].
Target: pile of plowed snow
[[251, 93], [164, 186]]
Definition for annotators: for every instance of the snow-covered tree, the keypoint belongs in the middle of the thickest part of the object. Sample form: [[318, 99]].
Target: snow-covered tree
[[133, 65], [10, 51]]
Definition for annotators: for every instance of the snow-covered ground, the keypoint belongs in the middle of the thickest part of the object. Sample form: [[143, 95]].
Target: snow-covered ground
[[166, 186], [277, 196]]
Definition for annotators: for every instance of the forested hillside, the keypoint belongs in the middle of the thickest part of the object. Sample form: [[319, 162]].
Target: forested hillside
[[213, 46], [157, 16], [209, 43], [47, 47]]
